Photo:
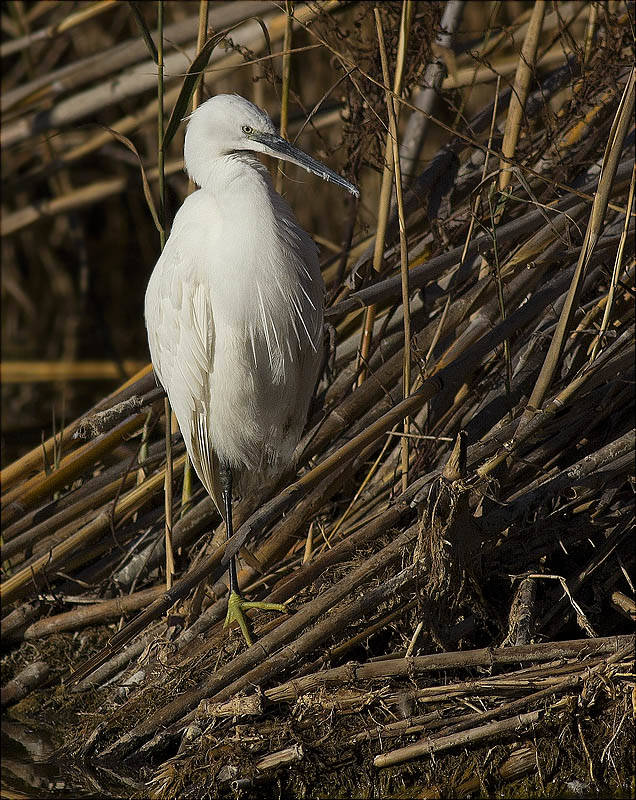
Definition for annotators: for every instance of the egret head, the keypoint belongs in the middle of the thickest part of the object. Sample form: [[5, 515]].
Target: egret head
[[227, 124]]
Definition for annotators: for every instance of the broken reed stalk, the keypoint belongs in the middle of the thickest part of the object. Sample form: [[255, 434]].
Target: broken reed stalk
[[614, 455], [286, 77], [101, 421], [186, 490], [162, 242]]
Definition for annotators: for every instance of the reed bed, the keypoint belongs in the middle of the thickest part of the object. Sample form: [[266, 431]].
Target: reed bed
[[454, 545]]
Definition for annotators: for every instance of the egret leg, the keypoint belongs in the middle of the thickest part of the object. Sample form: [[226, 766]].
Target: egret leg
[[235, 603]]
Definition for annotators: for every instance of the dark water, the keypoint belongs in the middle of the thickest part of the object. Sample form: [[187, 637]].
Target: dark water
[[32, 768]]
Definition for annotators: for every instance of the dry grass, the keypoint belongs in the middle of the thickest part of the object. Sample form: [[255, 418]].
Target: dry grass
[[461, 597]]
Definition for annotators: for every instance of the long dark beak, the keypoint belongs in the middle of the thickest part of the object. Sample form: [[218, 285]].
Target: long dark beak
[[280, 148]]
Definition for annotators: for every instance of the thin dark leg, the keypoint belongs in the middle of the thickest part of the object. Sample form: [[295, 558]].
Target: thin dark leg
[[225, 477], [236, 606]]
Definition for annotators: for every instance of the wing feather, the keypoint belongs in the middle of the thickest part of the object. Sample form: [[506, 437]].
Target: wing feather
[[181, 337]]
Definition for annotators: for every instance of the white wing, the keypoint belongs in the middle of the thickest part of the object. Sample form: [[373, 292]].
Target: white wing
[[181, 338]]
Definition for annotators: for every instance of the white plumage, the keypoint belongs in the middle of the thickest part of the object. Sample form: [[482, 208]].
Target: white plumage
[[234, 306]]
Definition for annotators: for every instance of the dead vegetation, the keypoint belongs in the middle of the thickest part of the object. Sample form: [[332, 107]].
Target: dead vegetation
[[455, 546]]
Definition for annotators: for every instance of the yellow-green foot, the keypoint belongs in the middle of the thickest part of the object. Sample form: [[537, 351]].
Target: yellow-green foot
[[236, 606]]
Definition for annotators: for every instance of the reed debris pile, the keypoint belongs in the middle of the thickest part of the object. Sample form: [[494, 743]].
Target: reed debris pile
[[455, 544]]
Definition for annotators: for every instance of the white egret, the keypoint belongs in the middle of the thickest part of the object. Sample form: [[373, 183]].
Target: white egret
[[234, 309]]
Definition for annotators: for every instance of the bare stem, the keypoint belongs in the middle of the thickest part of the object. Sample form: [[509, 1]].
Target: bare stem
[[393, 110], [284, 100], [186, 490]]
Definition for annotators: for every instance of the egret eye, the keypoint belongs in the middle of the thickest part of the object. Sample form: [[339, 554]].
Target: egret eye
[[247, 129]]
